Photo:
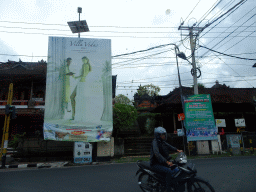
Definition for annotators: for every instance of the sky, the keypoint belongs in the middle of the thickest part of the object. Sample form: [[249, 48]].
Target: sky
[[133, 26]]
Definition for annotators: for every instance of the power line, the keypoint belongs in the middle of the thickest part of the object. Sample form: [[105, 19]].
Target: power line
[[229, 12], [21, 55], [209, 11], [159, 46], [192, 10], [222, 41], [231, 68], [227, 54]]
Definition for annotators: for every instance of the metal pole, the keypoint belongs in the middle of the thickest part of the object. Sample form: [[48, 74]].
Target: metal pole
[[192, 46], [79, 33], [181, 98]]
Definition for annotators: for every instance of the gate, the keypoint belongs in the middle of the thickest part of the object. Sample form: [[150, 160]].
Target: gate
[[136, 146]]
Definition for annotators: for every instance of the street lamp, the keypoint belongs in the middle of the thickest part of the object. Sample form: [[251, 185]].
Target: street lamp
[[182, 55], [78, 26], [193, 71]]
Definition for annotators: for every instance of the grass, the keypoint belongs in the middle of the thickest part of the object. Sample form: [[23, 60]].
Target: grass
[[132, 159]]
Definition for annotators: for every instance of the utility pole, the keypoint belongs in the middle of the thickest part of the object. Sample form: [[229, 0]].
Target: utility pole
[[192, 47]]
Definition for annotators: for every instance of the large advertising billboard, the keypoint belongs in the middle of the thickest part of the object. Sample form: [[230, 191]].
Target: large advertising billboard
[[199, 118], [78, 103]]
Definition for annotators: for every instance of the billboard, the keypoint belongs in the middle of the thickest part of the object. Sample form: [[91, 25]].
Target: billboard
[[78, 103], [199, 119]]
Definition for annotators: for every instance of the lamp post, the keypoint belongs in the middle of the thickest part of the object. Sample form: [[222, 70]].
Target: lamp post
[[78, 26], [79, 10], [182, 55]]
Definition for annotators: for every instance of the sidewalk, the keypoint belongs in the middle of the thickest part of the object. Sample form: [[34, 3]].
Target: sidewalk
[[124, 159], [36, 164]]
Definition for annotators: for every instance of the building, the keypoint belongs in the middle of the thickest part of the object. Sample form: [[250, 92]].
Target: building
[[228, 103], [29, 87]]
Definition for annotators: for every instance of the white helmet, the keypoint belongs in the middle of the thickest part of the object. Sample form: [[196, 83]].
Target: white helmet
[[160, 131]]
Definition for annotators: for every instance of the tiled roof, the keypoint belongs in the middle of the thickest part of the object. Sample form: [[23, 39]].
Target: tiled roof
[[23, 68], [218, 95]]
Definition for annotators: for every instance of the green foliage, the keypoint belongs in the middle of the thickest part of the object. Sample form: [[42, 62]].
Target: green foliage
[[16, 140], [148, 121], [150, 125], [149, 89], [122, 99], [200, 85], [124, 116]]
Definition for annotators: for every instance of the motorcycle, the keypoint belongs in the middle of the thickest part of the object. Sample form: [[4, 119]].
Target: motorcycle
[[150, 180]]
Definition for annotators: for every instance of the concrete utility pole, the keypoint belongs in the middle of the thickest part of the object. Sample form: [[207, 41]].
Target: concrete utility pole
[[192, 46]]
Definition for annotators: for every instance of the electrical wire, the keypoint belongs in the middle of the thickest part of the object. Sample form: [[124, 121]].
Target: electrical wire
[[229, 12], [227, 54], [192, 11], [222, 41], [209, 11], [232, 69], [159, 46]]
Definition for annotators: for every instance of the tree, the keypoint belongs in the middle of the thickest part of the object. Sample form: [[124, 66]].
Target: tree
[[122, 99], [200, 85], [149, 89], [123, 117]]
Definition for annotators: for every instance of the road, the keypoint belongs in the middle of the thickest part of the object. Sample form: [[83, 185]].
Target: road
[[232, 174]]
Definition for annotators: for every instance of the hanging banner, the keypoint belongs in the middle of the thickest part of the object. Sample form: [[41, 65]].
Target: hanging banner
[[199, 119], [78, 104]]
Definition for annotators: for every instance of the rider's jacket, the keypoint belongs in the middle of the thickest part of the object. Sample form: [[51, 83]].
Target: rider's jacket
[[160, 151]]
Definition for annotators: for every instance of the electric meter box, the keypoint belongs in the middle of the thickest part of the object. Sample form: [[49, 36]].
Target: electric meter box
[[82, 152]]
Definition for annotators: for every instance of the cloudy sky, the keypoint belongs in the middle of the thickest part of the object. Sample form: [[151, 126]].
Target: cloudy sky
[[25, 26]]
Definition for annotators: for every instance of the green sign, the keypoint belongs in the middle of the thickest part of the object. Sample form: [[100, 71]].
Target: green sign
[[199, 119]]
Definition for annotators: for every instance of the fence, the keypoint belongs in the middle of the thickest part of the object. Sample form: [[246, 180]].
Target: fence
[[142, 145]]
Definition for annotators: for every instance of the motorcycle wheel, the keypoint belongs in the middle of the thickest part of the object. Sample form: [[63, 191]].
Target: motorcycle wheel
[[199, 185], [148, 184]]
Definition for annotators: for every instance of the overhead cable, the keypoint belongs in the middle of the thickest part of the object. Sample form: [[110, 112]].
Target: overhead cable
[[227, 54]]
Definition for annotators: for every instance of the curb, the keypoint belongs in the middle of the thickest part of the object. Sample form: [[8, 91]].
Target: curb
[[38, 165]]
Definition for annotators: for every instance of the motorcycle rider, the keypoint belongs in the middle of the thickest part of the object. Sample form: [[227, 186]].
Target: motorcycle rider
[[160, 153]]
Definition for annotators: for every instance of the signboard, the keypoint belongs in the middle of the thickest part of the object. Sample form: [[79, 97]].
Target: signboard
[[82, 152], [199, 121], [220, 122], [78, 104], [181, 117], [233, 140], [240, 122], [180, 132]]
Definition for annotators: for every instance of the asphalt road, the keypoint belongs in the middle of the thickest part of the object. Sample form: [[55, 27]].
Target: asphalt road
[[232, 174]]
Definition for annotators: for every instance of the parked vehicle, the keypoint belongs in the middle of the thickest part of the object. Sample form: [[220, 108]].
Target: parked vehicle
[[185, 180]]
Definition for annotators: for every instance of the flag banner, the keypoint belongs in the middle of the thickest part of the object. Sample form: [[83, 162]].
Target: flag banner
[[78, 103], [199, 118]]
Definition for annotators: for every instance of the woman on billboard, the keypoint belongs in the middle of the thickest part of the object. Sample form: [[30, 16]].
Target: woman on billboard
[[86, 68]]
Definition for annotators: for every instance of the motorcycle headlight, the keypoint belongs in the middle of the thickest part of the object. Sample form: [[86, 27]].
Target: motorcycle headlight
[[183, 159]]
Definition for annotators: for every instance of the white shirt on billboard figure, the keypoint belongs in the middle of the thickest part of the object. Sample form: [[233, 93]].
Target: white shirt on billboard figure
[[88, 96]]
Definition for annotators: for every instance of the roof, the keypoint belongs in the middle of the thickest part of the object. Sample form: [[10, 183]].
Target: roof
[[218, 95], [23, 68]]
